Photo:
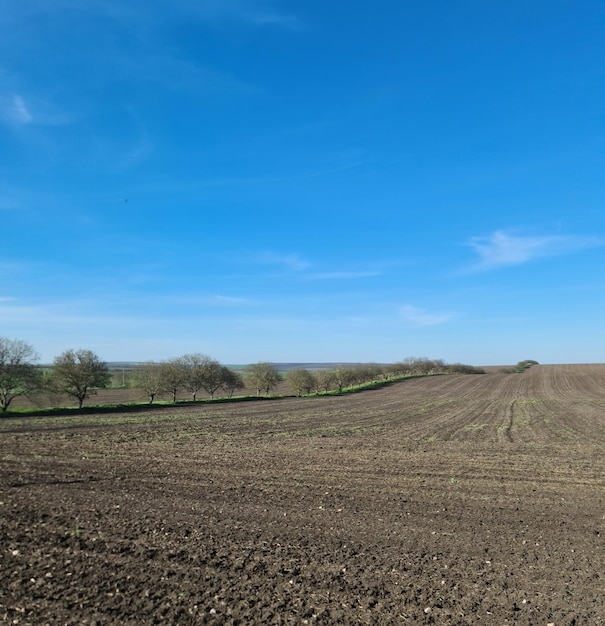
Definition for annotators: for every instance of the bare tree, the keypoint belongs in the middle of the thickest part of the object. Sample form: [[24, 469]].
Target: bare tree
[[193, 372], [394, 370], [344, 377], [148, 377], [300, 380], [374, 371], [262, 377], [201, 372], [78, 372], [18, 374], [212, 375], [173, 376], [324, 380], [231, 381]]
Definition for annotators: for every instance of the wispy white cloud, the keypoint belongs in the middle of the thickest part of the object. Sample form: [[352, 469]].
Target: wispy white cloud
[[142, 145], [14, 267], [121, 310], [214, 300], [20, 112], [36, 316], [500, 249], [295, 174], [220, 299], [14, 111], [421, 317], [17, 111], [290, 22], [290, 261], [163, 67], [342, 275], [249, 12], [296, 263], [114, 326]]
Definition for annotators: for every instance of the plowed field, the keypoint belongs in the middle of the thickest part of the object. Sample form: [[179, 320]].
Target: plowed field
[[441, 500]]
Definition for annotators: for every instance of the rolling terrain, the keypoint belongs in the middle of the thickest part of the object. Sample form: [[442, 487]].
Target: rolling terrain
[[439, 500]]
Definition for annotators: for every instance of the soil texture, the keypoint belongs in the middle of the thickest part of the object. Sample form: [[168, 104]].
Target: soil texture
[[441, 500]]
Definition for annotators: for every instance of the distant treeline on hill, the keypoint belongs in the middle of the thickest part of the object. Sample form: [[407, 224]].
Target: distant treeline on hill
[[197, 372], [79, 373], [524, 365]]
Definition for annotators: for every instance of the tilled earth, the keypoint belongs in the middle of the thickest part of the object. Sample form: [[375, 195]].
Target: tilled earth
[[443, 500]]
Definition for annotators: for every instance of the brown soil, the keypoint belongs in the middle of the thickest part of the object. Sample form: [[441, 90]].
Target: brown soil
[[444, 500]]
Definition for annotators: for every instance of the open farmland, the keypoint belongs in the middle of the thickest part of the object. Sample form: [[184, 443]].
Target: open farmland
[[440, 500]]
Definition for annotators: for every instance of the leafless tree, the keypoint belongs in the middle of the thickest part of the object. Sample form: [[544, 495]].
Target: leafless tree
[[231, 381], [148, 377], [18, 374], [173, 376], [324, 380], [300, 380], [344, 377], [212, 376], [78, 372], [262, 377], [201, 372], [193, 372]]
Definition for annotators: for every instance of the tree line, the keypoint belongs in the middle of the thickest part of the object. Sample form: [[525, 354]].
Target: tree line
[[76, 373], [190, 372], [303, 381], [79, 373]]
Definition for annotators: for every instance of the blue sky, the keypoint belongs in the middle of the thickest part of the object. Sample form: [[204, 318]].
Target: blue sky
[[304, 181]]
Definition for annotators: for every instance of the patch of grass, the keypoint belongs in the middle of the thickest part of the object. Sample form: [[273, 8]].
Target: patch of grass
[[475, 426]]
